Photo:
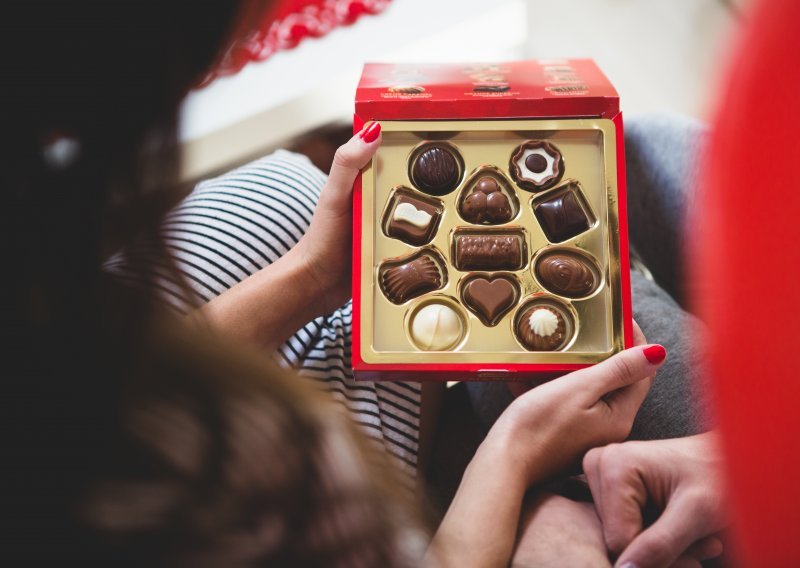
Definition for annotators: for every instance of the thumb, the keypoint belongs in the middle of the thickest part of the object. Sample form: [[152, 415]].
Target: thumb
[[348, 160], [665, 540], [622, 370]]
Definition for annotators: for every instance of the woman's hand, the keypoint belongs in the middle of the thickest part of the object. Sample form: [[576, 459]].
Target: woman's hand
[[313, 278], [543, 432], [325, 250], [550, 427]]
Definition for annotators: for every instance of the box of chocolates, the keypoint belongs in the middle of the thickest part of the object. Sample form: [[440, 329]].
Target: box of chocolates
[[489, 230]]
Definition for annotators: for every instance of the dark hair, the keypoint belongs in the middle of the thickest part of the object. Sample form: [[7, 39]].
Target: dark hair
[[128, 439]]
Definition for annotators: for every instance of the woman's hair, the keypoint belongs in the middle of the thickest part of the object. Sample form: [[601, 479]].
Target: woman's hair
[[130, 438]]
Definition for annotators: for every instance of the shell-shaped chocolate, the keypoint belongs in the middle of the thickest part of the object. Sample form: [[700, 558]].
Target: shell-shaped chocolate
[[410, 279], [568, 275], [436, 170], [543, 328]]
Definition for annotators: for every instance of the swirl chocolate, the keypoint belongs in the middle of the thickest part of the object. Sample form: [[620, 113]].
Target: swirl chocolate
[[436, 170], [567, 274], [543, 327], [412, 278], [488, 251]]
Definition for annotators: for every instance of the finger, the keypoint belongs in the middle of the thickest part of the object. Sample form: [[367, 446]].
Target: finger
[[347, 162], [686, 562], [660, 544], [622, 495], [621, 370]]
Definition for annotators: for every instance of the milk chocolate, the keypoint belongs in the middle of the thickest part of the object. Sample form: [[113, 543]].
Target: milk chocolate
[[412, 218], [490, 298], [536, 165], [543, 327], [486, 202], [436, 170], [488, 251], [562, 215], [571, 275], [404, 280]]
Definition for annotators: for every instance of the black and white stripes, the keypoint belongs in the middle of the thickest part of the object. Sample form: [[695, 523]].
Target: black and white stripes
[[232, 226]]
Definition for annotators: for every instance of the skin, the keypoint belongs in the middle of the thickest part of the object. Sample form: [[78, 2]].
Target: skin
[[542, 433], [683, 477]]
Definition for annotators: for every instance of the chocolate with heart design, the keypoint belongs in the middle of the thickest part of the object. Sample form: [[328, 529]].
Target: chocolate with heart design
[[490, 298]]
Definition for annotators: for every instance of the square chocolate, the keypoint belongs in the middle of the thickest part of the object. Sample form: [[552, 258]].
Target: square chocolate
[[411, 217], [563, 213]]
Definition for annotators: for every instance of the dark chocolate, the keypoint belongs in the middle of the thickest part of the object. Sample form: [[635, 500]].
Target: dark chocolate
[[565, 274], [436, 170], [528, 172], [488, 251], [407, 280], [562, 216], [492, 88], [413, 220], [536, 163], [498, 209], [490, 298], [544, 338]]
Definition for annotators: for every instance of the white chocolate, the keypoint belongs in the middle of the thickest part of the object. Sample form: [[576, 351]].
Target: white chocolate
[[408, 213], [436, 327], [533, 176], [543, 322]]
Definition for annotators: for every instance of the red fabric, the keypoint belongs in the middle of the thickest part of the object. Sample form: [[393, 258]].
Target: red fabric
[[287, 24], [748, 251]]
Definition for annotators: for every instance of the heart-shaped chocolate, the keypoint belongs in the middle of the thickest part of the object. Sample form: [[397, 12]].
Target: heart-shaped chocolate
[[490, 298]]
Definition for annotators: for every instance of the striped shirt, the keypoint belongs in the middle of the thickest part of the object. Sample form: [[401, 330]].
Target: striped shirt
[[230, 227]]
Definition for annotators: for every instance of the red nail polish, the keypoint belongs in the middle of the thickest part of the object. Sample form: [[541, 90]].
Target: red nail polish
[[655, 354], [371, 133]]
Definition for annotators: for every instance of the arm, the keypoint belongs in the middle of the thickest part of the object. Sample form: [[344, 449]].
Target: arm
[[311, 279], [540, 434]]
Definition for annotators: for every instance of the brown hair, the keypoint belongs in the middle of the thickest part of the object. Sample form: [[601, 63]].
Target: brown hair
[[130, 439]]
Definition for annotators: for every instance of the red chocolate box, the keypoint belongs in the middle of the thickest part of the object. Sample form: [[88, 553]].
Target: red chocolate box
[[489, 230]]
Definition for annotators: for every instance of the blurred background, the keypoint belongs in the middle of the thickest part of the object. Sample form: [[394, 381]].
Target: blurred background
[[663, 55]]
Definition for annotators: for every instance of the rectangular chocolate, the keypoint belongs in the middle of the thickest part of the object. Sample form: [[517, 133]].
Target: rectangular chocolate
[[489, 251]]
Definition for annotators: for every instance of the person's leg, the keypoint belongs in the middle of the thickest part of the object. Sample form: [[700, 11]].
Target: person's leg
[[663, 153]]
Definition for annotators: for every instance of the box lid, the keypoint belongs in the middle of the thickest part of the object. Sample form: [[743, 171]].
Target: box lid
[[515, 89]]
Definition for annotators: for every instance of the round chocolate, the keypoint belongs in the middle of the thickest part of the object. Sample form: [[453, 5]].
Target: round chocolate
[[487, 185], [498, 208], [436, 327], [568, 275], [543, 328], [474, 207], [536, 163], [436, 170]]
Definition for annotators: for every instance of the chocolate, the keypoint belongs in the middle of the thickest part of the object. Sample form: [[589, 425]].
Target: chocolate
[[407, 89], [486, 202], [436, 327], [408, 279], [488, 251], [490, 298], [563, 215], [436, 170], [412, 218], [543, 327], [536, 165], [567, 274], [491, 88]]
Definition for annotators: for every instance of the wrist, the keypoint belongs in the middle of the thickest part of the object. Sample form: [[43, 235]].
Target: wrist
[[308, 276]]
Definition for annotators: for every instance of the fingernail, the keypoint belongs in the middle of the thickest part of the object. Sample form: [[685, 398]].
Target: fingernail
[[655, 354], [631, 564], [371, 133]]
